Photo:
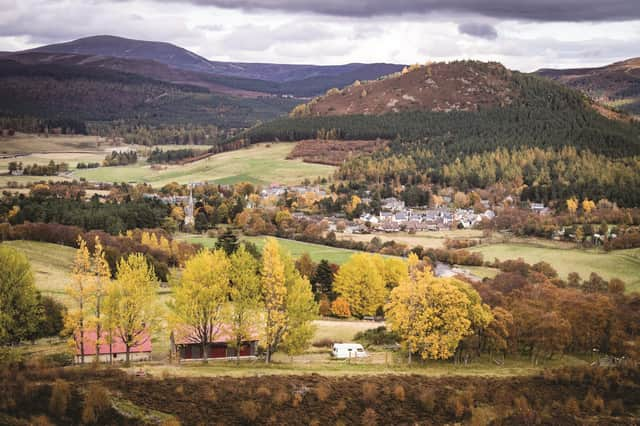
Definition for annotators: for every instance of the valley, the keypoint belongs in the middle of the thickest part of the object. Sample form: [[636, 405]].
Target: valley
[[193, 241]]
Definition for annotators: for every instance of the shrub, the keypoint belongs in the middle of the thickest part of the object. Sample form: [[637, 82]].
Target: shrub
[[340, 308], [323, 343], [572, 407], [60, 396], [593, 403], [616, 407], [40, 421], [456, 407], [60, 359], [369, 417], [297, 399], [398, 393], [322, 392], [263, 391], [249, 410], [377, 336], [96, 403], [280, 397], [369, 391], [427, 400], [340, 406]]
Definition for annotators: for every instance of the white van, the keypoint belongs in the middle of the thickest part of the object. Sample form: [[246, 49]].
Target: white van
[[348, 350]]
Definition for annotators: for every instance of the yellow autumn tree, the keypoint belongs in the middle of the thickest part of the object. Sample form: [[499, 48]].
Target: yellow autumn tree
[[199, 300], [245, 296], [131, 300], [361, 283], [102, 279], [353, 204], [432, 315], [572, 205], [79, 291], [274, 293], [588, 206], [301, 309]]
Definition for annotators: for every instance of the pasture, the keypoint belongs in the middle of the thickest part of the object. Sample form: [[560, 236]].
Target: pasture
[[50, 263], [295, 248], [622, 264], [259, 164], [426, 239]]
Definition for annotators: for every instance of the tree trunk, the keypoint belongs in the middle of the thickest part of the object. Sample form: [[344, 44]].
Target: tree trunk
[[204, 351], [238, 345], [127, 359], [98, 330]]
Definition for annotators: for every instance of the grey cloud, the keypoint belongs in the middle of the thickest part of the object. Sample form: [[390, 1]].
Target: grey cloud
[[535, 10], [477, 29]]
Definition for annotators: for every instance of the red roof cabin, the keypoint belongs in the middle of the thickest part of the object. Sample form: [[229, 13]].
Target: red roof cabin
[[187, 346], [114, 352]]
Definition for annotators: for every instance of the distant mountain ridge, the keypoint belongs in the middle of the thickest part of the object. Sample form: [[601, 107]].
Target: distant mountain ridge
[[617, 84], [180, 58]]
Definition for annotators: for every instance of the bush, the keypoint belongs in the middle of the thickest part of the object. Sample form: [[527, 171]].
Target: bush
[[96, 403], [572, 407], [369, 417], [340, 308], [322, 392], [427, 399], [377, 336], [369, 391], [399, 393], [60, 396], [60, 359], [249, 410]]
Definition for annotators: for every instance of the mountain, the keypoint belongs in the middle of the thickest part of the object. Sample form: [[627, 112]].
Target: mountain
[[617, 85], [180, 58], [119, 47], [459, 108], [103, 96], [459, 86]]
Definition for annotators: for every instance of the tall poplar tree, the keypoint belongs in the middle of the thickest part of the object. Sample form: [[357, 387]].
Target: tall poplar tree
[[79, 291]]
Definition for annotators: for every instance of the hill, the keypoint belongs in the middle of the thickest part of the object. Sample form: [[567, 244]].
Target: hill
[[459, 86], [617, 85], [297, 80], [462, 107], [53, 91]]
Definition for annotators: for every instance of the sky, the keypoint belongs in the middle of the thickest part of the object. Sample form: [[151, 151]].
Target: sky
[[523, 35]]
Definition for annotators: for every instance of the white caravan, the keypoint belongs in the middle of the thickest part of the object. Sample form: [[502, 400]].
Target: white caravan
[[348, 350]]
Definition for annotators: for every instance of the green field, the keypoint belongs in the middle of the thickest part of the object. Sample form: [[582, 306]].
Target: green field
[[259, 164], [296, 248], [426, 239], [623, 264], [51, 265]]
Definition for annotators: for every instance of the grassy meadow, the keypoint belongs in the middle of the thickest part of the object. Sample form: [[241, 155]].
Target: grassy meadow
[[258, 164], [296, 248], [622, 264], [426, 239], [50, 263]]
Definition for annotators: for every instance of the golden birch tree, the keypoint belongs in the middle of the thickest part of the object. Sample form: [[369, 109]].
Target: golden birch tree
[[360, 281], [245, 297], [132, 301], [200, 298], [79, 291], [431, 314], [102, 278], [274, 293]]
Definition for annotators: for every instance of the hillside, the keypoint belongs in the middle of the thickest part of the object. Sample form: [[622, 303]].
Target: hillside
[[90, 94], [461, 107], [459, 86], [617, 85]]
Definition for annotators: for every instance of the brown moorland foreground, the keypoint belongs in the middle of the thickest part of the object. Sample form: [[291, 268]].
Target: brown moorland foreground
[[564, 396]]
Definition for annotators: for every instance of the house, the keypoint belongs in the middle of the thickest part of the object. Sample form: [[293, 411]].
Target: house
[[114, 352], [392, 204], [186, 345]]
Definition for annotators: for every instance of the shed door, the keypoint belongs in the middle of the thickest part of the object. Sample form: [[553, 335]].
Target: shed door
[[187, 352], [245, 350], [218, 351]]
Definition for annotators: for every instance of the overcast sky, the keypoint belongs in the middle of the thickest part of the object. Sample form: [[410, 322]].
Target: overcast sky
[[524, 35]]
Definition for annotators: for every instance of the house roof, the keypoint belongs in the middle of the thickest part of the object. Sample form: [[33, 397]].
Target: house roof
[[117, 346], [185, 334]]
